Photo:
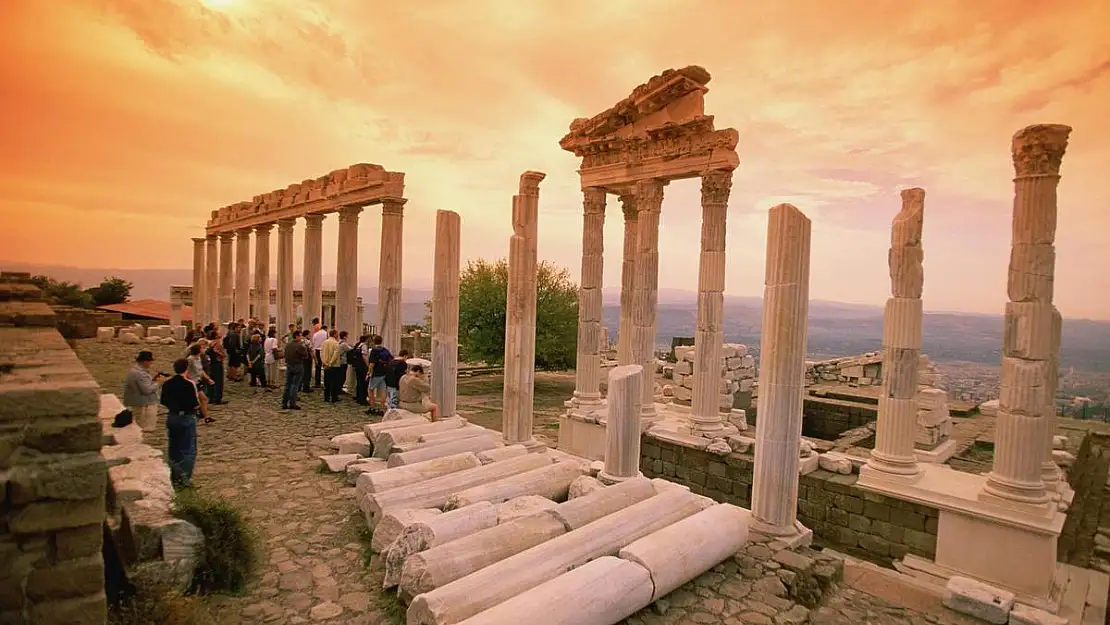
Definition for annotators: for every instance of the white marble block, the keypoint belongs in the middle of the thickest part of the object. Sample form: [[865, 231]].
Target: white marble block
[[502, 453], [462, 445], [437, 530], [384, 442], [552, 482], [977, 599], [381, 481], [391, 525], [586, 509]]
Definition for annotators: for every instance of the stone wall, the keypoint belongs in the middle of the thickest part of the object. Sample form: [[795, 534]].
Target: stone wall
[[53, 481], [841, 515], [81, 323], [1083, 541], [863, 370], [827, 418], [737, 376]]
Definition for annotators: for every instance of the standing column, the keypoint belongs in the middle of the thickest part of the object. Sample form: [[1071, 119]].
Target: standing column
[[645, 294], [227, 278], [212, 281], [389, 273], [520, 314], [285, 313], [346, 271], [622, 429], [242, 273], [262, 274], [445, 313], [1028, 353], [200, 306], [175, 309], [628, 279], [705, 410], [782, 373], [1050, 473], [587, 371], [313, 279], [902, 318]]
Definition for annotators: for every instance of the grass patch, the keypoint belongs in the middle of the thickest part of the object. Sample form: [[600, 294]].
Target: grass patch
[[229, 555], [161, 605], [391, 609]]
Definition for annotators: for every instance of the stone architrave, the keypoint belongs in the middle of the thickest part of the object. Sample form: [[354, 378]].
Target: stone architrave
[[782, 374], [898, 405], [645, 293], [520, 314], [285, 312], [346, 271], [200, 304], [313, 277], [212, 280], [445, 313], [1029, 351], [622, 430], [389, 273], [705, 412], [587, 379], [628, 279], [242, 300], [262, 274], [227, 277]]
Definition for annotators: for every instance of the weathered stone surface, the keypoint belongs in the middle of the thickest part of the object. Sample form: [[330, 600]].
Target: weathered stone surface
[[384, 443], [502, 453], [392, 524], [473, 445], [437, 530], [552, 481], [47, 516], [584, 485], [364, 465], [578, 512], [977, 599], [338, 463], [396, 477], [353, 443], [523, 506], [66, 477]]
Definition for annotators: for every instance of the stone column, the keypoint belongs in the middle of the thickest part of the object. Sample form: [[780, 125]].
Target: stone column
[[242, 274], [227, 278], [445, 313], [1050, 473], [212, 280], [520, 314], [781, 373], [200, 304], [346, 271], [628, 279], [312, 282], [389, 273], [1028, 352], [175, 309], [645, 293], [262, 274], [902, 318], [285, 313], [587, 371], [705, 407], [622, 429]]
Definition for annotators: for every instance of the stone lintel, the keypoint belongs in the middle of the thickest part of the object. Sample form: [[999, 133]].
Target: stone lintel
[[380, 192], [619, 177]]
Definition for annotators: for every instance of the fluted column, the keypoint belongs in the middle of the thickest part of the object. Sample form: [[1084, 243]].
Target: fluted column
[[628, 279], [520, 314], [445, 313], [200, 305], [212, 281], [705, 409], [285, 312], [782, 372], [242, 273], [1050, 473], [312, 281], [346, 273], [902, 318], [645, 293], [262, 274], [587, 371], [389, 273], [1028, 353], [622, 428], [227, 277]]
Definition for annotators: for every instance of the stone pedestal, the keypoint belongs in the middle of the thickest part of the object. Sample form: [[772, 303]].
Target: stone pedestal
[[262, 274], [285, 313], [200, 304], [346, 271], [175, 310], [227, 277], [782, 374], [622, 431], [645, 295], [705, 413], [313, 278], [389, 274], [520, 314], [445, 313], [242, 274], [212, 280], [628, 279], [587, 380]]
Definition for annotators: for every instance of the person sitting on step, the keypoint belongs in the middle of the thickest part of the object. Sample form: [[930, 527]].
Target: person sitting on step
[[415, 391]]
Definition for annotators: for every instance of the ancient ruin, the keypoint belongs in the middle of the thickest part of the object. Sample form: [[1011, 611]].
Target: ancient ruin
[[184, 295]]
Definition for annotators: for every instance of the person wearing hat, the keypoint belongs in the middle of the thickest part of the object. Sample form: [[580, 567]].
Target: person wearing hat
[[140, 391]]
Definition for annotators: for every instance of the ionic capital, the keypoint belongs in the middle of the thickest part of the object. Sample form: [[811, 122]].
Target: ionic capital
[[1038, 150], [715, 187], [593, 201]]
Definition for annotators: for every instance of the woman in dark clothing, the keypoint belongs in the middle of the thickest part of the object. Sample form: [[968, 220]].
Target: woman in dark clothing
[[217, 355], [256, 366]]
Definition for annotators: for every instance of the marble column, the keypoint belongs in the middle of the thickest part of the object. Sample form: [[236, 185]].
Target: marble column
[[312, 280], [1028, 353], [445, 313], [897, 421], [587, 371], [200, 305], [227, 277], [622, 429], [628, 279], [262, 274], [242, 274], [1050, 473], [285, 312], [781, 373], [705, 407], [389, 273], [645, 292], [212, 280], [175, 309], [520, 314], [346, 270]]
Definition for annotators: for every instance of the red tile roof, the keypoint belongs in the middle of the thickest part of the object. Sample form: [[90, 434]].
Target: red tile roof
[[151, 308]]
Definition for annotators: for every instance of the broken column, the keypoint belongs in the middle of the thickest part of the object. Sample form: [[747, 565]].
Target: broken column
[[241, 304], [622, 430], [897, 420], [227, 278], [175, 309], [346, 272], [285, 313], [262, 274], [628, 279], [587, 380], [389, 274], [1028, 352], [520, 314], [445, 313], [645, 294], [705, 413], [312, 278], [200, 307], [782, 374]]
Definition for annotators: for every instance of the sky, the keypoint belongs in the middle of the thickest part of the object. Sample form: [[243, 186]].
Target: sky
[[124, 122]]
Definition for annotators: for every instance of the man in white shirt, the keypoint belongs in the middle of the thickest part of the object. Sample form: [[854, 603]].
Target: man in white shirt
[[270, 346], [318, 339]]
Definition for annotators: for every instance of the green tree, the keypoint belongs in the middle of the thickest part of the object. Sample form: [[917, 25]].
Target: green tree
[[62, 293], [114, 290], [483, 290]]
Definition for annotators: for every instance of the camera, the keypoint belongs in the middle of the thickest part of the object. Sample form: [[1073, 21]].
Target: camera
[[163, 374]]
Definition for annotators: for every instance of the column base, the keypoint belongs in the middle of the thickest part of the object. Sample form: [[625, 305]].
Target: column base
[[796, 536], [708, 426], [532, 445], [894, 465], [609, 480], [1014, 491], [1050, 475]]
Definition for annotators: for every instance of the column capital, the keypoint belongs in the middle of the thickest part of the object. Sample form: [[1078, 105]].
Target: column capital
[[1038, 150], [649, 194], [286, 225], [212, 238], [593, 200], [314, 221], [628, 207], [393, 206], [530, 183], [200, 240], [349, 214], [263, 229], [244, 232], [715, 187], [227, 237]]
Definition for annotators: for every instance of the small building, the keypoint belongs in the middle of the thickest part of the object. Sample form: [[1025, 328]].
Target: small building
[[147, 310]]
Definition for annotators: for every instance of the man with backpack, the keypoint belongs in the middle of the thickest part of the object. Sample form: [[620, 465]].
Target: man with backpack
[[379, 360], [357, 358]]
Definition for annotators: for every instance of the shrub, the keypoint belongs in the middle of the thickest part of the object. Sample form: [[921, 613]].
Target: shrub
[[229, 554], [161, 605]]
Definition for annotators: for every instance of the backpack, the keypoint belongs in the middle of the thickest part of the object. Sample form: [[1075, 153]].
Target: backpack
[[354, 356]]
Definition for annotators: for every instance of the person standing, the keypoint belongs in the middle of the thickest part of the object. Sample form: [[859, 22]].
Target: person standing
[[329, 356], [397, 369], [198, 376], [217, 356], [344, 349], [306, 338], [379, 364], [256, 365], [272, 355], [415, 393], [318, 339], [233, 346], [296, 355], [357, 359], [181, 399], [140, 392]]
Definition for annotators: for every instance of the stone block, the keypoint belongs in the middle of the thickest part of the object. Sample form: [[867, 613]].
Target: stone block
[[353, 443], [77, 542], [1028, 615], [48, 516], [974, 598], [80, 476], [63, 435], [88, 610], [835, 463], [67, 579], [337, 463], [105, 335]]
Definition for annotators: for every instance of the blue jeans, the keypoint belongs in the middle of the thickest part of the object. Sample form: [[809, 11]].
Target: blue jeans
[[394, 396], [293, 381], [216, 372], [181, 433]]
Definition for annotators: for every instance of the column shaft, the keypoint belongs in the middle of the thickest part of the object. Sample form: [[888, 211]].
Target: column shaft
[[212, 282], [389, 273], [645, 293], [1050, 473], [623, 429], [262, 274], [285, 313], [628, 279], [227, 277], [199, 290], [242, 274], [445, 313], [346, 273], [587, 378], [705, 411], [782, 372], [312, 282], [175, 310]]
